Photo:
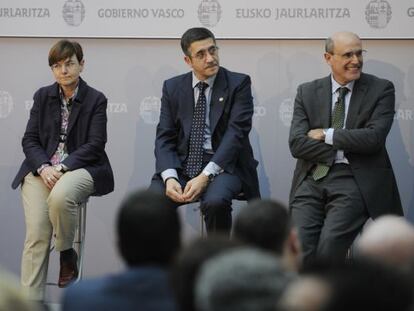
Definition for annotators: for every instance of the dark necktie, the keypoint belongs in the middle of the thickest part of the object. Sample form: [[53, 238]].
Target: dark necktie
[[70, 104], [338, 118], [194, 162]]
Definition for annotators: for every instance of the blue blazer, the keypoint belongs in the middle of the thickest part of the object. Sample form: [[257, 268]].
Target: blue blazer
[[231, 112], [86, 135], [144, 289]]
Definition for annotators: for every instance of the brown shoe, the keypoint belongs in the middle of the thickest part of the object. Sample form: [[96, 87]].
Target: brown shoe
[[68, 270]]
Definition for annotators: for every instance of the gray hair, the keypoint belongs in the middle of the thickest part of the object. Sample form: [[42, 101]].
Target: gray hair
[[244, 279]]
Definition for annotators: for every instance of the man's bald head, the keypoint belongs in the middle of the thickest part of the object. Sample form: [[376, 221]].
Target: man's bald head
[[389, 239], [342, 36]]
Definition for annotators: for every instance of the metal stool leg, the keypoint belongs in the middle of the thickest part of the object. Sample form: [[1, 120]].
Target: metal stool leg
[[79, 241]]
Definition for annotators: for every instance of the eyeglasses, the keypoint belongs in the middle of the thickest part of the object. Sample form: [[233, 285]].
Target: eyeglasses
[[68, 65], [202, 54], [350, 55]]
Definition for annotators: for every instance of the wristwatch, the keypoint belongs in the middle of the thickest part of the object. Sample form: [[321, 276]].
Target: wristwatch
[[60, 168], [210, 176]]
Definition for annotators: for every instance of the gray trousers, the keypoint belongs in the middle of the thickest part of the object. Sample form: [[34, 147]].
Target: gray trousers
[[328, 213]]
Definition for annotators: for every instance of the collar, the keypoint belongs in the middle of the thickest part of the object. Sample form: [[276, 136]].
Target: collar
[[209, 81], [336, 85], [62, 96]]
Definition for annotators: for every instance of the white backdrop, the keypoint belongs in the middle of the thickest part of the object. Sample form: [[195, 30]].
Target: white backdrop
[[228, 18]]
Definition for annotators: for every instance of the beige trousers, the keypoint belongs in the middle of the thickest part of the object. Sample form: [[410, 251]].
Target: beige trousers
[[49, 212]]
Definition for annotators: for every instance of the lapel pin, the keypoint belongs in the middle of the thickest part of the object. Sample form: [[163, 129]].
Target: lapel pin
[[221, 99]]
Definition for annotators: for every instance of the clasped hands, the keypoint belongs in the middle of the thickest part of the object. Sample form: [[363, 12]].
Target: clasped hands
[[193, 189], [50, 176]]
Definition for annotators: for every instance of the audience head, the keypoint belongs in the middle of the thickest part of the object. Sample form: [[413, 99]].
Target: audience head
[[307, 293], [356, 285], [189, 262], [245, 279], [148, 229], [266, 224], [389, 239], [11, 296]]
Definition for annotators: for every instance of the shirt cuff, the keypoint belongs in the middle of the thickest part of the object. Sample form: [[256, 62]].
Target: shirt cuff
[[169, 172], [212, 169], [329, 136], [40, 169]]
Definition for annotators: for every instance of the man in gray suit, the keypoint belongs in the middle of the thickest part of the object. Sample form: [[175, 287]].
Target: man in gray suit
[[343, 174]]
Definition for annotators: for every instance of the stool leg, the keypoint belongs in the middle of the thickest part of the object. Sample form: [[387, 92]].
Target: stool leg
[[80, 238]]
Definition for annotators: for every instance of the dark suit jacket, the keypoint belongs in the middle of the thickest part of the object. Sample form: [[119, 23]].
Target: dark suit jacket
[[144, 289], [231, 111], [86, 135], [369, 119]]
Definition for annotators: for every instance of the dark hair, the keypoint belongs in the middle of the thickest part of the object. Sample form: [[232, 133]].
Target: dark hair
[[363, 285], [195, 34], [263, 223], [148, 229], [64, 49], [189, 262]]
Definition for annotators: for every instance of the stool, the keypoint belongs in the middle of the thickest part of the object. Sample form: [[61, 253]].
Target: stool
[[79, 240], [239, 197]]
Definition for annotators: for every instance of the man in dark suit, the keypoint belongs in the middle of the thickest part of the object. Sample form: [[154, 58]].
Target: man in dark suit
[[64, 145], [202, 145], [343, 174], [148, 239]]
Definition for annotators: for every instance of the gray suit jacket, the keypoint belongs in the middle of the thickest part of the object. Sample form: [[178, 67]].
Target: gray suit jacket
[[369, 119]]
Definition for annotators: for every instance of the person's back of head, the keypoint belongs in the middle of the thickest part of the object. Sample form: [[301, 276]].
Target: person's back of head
[[263, 223], [266, 224], [148, 229], [360, 284], [188, 263], [390, 240], [245, 279], [11, 296]]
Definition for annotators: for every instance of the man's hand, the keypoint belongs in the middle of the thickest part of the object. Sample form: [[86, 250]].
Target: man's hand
[[174, 191], [50, 176], [195, 187], [317, 134]]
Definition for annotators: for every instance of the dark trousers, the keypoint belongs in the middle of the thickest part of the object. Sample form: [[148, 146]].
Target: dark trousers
[[215, 202], [328, 213]]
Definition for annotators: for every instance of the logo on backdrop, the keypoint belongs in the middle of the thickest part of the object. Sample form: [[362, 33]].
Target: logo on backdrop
[[149, 109], [209, 13], [410, 11], [286, 111], [6, 104], [378, 13], [73, 12]]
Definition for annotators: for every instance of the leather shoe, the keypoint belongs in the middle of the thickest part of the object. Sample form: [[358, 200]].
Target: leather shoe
[[68, 270]]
